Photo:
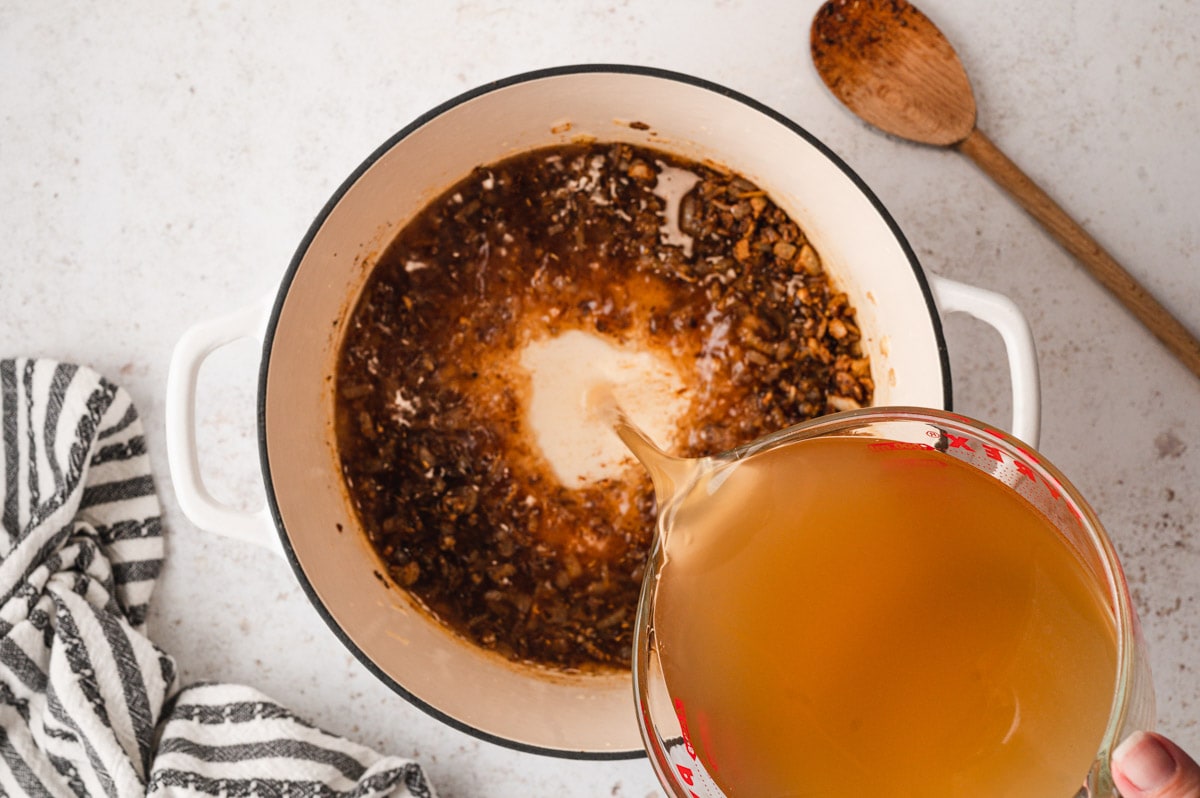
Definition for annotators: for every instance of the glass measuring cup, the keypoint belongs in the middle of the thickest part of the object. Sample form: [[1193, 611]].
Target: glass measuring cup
[[678, 739]]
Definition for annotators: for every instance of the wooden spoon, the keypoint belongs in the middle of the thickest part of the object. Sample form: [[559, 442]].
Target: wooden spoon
[[892, 67]]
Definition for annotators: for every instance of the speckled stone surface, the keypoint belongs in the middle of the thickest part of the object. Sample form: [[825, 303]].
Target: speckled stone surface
[[160, 162]]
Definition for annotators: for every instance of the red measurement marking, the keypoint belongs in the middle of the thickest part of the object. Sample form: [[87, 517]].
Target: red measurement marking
[[683, 728], [1053, 486], [685, 773], [958, 442]]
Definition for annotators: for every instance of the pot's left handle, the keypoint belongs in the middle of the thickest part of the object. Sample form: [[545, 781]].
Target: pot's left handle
[[193, 348]]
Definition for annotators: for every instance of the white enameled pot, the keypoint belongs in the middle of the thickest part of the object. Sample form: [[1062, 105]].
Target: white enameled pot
[[308, 516]]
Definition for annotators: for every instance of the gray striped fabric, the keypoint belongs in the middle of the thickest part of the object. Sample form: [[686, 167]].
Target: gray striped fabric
[[88, 704]]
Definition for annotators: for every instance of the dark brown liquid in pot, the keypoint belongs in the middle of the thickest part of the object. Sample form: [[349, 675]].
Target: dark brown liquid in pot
[[447, 479]]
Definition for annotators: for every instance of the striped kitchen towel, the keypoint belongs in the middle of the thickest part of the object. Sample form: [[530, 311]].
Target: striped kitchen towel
[[89, 706]]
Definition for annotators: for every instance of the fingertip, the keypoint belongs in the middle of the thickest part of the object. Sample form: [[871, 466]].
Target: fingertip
[[1141, 764]]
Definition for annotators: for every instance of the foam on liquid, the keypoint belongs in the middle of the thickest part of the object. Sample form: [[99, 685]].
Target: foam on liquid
[[565, 371]]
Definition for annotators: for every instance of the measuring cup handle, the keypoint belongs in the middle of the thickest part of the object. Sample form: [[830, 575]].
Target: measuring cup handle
[[197, 503], [1002, 314]]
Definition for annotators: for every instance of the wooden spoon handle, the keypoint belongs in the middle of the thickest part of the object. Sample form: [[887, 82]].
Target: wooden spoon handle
[[1077, 241]]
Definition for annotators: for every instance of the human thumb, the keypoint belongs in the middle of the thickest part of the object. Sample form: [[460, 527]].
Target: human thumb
[[1147, 765]]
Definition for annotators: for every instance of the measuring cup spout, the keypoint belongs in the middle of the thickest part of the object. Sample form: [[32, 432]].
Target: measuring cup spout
[[668, 473]]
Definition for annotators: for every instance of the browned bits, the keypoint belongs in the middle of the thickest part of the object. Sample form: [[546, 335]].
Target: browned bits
[[640, 170], [446, 483], [809, 260]]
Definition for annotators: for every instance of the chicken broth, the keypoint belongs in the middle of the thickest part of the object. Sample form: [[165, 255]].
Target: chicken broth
[[684, 275], [848, 616]]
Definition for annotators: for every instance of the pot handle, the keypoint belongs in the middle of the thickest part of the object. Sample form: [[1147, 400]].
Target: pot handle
[[1003, 314], [193, 348]]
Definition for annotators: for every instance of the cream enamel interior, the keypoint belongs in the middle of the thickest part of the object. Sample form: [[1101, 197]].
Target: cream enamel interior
[[581, 715]]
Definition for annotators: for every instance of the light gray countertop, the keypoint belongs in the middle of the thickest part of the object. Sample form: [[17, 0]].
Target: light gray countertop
[[161, 161]]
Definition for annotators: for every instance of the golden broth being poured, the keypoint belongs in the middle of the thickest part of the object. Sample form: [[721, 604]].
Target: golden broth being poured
[[849, 615]]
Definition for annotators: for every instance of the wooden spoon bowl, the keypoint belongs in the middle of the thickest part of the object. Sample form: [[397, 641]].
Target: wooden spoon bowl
[[890, 65]]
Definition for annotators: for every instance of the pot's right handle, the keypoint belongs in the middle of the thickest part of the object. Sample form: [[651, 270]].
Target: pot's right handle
[[193, 348], [1003, 314]]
